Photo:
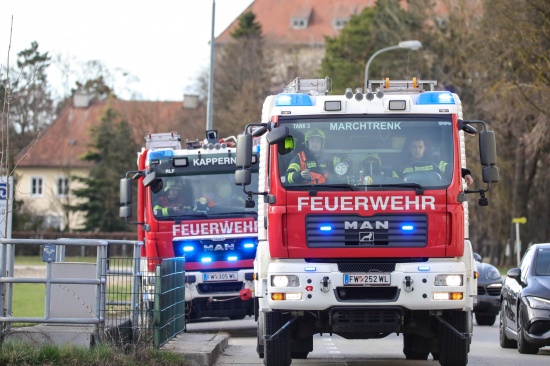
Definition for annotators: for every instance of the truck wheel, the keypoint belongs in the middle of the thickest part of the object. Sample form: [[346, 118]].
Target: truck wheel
[[277, 350], [260, 324], [523, 346], [504, 341], [415, 347], [485, 319], [453, 349], [301, 347]]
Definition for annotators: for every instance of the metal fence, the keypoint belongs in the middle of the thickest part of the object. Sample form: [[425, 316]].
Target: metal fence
[[108, 294]]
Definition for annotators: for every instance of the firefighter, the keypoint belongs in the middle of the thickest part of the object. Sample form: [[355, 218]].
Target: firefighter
[[419, 162], [173, 201], [309, 166]]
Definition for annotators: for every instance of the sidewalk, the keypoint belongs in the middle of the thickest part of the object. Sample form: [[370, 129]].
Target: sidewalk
[[199, 349]]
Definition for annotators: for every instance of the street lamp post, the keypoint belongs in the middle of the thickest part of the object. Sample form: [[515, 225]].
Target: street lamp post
[[408, 45]]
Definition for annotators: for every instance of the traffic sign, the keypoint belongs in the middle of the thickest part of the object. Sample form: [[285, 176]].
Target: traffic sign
[[519, 220]]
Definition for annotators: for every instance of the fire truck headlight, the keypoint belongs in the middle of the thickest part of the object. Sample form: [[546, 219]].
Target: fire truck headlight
[[285, 281], [448, 280]]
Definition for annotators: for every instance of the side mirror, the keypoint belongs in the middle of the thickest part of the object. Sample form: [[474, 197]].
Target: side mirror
[[490, 174], [244, 151], [125, 212], [487, 148], [125, 191], [243, 177], [277, 135], [515, 273]]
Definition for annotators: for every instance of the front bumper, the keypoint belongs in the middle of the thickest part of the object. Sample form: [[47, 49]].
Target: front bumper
[[411, 287], [537, 326]]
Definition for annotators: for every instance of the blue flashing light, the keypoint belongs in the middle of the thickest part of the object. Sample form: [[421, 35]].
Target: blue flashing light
[[325, 228], [206, 260], [232, 258], [160, 154], [188, 248], [249, 246], [423, 268], [407, 227], [310, 269], [435, 97], [293, 100]]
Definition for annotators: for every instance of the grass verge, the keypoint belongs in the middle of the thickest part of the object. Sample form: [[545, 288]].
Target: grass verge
[[20, 353]]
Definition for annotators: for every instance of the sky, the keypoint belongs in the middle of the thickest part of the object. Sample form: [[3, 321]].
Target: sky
[[154, 49]]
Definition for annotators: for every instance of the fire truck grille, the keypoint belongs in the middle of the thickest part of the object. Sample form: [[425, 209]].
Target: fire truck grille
[[377, 321], [220, 287], [367, 293], [354, 231], [366, 267]]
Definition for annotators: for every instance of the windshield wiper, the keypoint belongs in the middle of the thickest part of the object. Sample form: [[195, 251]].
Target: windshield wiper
[[418, 189], [323, 186]]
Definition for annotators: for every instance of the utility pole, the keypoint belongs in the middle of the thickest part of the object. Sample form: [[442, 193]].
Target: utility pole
[[210, 106]]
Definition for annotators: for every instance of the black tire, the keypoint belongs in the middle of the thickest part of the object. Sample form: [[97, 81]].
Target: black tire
[[523, 346], [415, 347], [486, 319], [505, 342], [453, 349], [237, 317], [276, 351], [301, 347]]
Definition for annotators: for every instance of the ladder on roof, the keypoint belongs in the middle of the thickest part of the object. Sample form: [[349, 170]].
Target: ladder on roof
[[413, 85], [309, 86], [170, 140]]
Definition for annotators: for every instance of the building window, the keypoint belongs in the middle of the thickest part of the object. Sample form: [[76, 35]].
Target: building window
[[339, 23], [62, 186], [299, 23], [37, 186]]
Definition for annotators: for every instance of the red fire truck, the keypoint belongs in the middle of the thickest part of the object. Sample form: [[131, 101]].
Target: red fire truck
[[205, 221], [368, 237]]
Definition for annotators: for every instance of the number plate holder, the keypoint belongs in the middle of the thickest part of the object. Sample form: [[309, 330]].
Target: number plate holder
[[367, 279], [219, 276]]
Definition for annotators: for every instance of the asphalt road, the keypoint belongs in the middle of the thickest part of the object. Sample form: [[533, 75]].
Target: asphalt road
[[334, 350]]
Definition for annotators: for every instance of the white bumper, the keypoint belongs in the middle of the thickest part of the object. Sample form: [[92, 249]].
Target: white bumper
[[413, 285]]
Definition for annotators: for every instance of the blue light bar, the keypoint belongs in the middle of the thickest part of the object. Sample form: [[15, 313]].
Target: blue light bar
[[294, 100], [160, 154], [232, 258], [310, 269], [249, 246], [407, 227], [435, 97], [325, 228], [423, 268], [206, 259], [188, 248]]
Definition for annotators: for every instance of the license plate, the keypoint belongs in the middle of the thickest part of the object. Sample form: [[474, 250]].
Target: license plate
[[222, 276], [370, 279]]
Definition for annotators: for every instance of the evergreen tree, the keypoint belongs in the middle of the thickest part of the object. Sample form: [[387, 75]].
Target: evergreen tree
[[384, 25], [113, 153], [29, 97]]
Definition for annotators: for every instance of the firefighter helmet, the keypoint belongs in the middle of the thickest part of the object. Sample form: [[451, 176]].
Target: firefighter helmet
[[315, 132], [172, 184]]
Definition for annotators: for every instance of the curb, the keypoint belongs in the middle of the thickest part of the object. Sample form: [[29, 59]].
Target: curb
[[198, 349]]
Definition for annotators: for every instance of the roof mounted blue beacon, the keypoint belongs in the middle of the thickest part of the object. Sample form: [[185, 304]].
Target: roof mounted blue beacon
[[435, 97], [293, 100]]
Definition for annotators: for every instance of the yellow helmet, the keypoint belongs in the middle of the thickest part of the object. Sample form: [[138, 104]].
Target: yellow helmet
[[314, 132], [172, 184]]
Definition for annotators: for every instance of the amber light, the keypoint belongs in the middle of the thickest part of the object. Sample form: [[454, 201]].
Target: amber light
[[277, 296], [456, 296]]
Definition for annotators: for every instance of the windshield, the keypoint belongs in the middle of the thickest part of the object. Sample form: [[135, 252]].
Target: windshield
[[192, 197], [373, 152]]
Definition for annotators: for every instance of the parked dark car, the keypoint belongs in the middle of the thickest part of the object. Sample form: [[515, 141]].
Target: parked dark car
[[525, 308], [489, 284]]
